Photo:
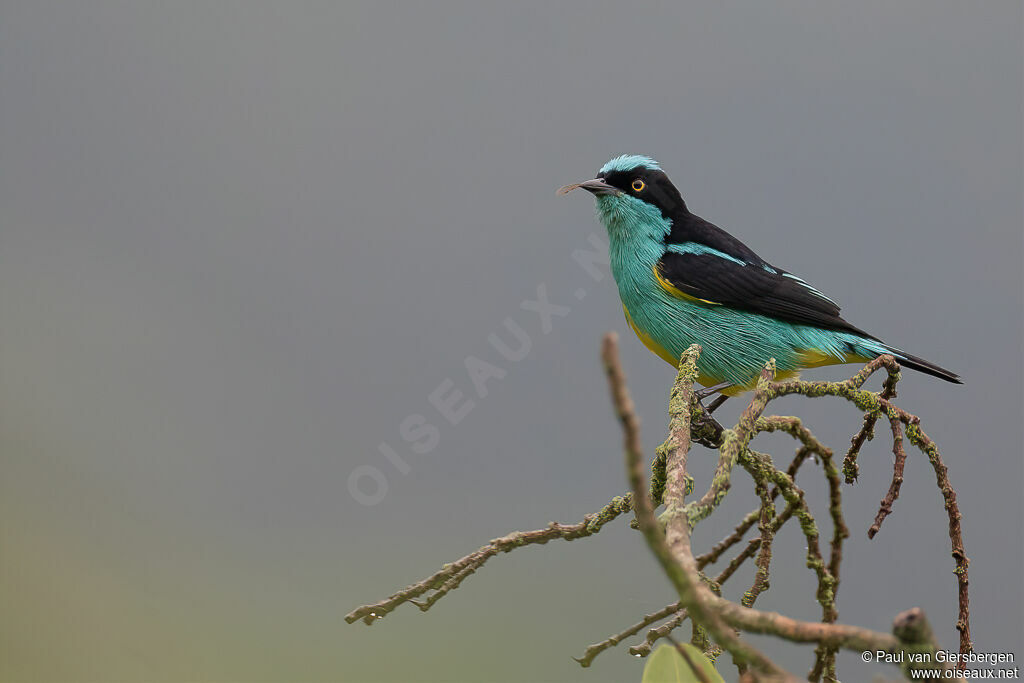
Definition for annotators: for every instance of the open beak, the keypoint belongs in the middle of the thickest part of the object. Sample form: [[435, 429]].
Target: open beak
[[597, 186]]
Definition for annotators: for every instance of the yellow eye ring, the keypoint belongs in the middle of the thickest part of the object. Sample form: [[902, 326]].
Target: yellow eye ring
[[638, 185]]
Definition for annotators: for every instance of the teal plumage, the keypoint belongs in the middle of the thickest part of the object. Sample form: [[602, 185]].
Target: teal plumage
[[684, 281]]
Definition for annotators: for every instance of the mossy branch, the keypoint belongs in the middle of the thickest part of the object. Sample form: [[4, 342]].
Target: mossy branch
[[717, 621], [672, 548]]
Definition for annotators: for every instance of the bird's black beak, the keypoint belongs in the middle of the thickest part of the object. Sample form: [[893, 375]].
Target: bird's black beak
[[597, 186]]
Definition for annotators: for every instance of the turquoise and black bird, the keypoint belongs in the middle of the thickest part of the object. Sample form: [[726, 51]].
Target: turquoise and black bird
[[683, 280]]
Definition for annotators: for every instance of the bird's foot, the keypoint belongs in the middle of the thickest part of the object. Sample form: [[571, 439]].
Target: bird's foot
[[714, 404], [711, 391]]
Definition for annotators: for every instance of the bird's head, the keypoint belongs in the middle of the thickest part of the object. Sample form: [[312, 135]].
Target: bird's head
[[633, 192]]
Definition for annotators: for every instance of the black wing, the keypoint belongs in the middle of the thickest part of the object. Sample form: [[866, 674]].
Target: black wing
[[758, 288]]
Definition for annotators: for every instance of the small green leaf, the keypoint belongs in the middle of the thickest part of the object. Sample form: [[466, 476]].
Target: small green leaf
[[666, 665]]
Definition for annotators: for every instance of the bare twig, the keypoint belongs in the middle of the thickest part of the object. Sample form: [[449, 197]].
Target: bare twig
[[764, 553], [597, 648], [655, 634], [893, 493], [732, 539], [452, 575]]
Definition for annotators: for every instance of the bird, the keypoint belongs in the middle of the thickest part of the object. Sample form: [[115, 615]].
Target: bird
[[683, 280]]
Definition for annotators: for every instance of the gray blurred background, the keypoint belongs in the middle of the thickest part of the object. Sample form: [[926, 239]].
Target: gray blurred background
[[241, 242]]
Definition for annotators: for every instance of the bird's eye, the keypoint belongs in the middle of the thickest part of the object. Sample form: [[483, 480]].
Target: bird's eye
[[638, 185]]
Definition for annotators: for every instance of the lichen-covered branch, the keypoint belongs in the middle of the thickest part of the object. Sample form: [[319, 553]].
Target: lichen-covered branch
[[748, 521], [672, 546], [713, 616], [921, 440], [867, 430], [871, 402], [734, 443]]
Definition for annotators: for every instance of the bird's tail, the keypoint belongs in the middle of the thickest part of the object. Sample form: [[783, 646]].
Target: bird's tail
[[921, 365]]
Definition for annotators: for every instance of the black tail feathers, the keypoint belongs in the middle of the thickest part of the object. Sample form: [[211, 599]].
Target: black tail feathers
[[921, 365]]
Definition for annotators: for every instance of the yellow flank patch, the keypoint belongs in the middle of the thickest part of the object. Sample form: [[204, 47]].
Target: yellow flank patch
[[654, 346], [813, 358], [734, 390], [678, 293], [737, 389]]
